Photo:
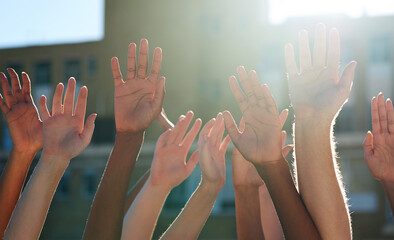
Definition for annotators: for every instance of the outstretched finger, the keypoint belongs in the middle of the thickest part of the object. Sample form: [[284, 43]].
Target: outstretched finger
[[237, 92], [69, 97], [161, 142], [390, 115], [9, 97], [246, 85], [26, 88], [256, 86], [283, 138], [182, 131], [80, 106], [16, 86], [291, 65], [179, 127], [57, 100], [156, 64], [382, 113], [305, 53], [116, 74], [158, 98], [131, 61], [191, 135], [3, 106], [375, 116], [42, 106], [214, 134], [205, 130], [271, 105], [319, 50], [143, 59], [333, 54]]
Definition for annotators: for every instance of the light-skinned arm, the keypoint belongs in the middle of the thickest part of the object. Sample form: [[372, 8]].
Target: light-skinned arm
[[64, 137], [260, 143], [169, 169], [165, 124], [212, 150], [255, 213], [317, 94], [138, 101], [25, 128], [379, 145]]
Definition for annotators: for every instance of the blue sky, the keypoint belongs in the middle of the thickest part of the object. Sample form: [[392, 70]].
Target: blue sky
[[44, 22]]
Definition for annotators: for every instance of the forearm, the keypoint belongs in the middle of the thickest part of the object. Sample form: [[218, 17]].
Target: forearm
[[269, 218], [141, 218], [106, 216], [32, 208], [389, 189], [247, 212], [295, 219], [319, 179], [132, 194], [11, 184], [191, 220]]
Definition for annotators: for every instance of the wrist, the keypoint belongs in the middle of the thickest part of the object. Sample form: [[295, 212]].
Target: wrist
[[129, 136], [314, 119], [387, 184], [158, 186], [27, 155], [211, 187], [55, 163]]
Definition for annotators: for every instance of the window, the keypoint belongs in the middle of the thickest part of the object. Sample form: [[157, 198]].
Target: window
[[42, 71], [72, 68]]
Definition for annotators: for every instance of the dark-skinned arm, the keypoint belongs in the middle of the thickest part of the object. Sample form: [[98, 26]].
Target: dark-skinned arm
[[138, 101]]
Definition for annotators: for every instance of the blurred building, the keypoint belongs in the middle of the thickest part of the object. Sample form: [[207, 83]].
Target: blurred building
[[203, 42]]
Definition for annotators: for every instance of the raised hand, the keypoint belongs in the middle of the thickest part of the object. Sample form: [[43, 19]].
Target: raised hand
[[138, 100], [169, 166], [244, 173], [260, 142], [379, 145], [65, 134], [212, 152], [20, 112], [316, 88]]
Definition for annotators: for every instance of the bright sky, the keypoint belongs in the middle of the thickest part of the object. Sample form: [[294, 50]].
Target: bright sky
[[44, 22], [280, 10]]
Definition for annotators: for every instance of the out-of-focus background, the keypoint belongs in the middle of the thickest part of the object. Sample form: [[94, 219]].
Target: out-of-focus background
[[203, 42]]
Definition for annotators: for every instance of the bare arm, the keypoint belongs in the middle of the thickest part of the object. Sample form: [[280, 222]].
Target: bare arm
[[138, 101], [260, 144], [64, 137], [26, 133], [379, 145], [317, 95], [169, 169], [212, 150], [255, 212]]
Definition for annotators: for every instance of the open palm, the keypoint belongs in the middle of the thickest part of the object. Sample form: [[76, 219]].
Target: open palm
[[138, 100], [20, 112], [261, 140], [379, 145], [65, 134], [317, 89]]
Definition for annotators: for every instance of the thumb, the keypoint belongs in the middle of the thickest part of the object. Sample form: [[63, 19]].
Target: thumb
[[231, 127], [286, 149], [191, 164], [87, 132], [348, 76], [368, 145]]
